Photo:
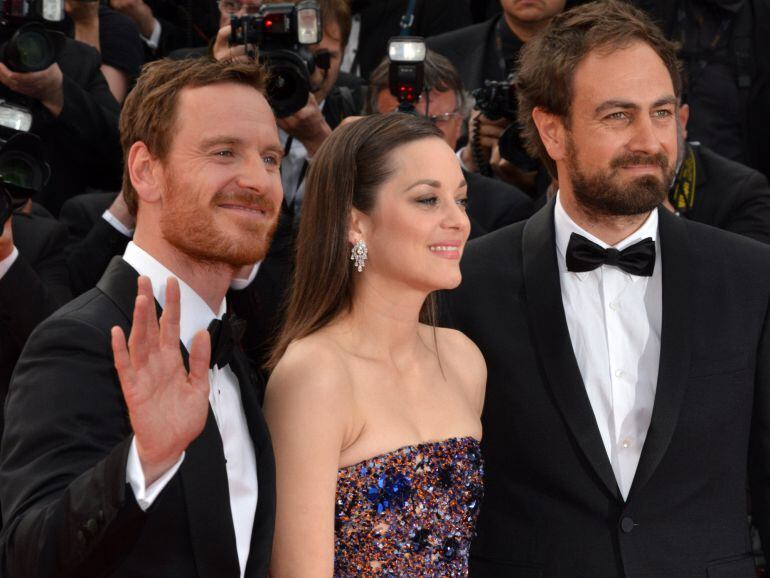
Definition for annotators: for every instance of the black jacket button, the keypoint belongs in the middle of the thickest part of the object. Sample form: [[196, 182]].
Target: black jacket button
[[627, 524]]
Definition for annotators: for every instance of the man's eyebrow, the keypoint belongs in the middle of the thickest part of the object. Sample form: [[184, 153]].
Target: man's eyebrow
[[219, 141], [627, 105]]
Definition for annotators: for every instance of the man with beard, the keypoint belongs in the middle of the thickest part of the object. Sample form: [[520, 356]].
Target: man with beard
[[628, 400], [151, 457]]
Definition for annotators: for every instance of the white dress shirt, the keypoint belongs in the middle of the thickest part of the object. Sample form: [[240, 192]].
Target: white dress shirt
[[614, 322], [293, 169], [225, 400]]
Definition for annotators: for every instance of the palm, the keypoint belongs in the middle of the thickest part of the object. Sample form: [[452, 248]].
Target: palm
[[167, 404]]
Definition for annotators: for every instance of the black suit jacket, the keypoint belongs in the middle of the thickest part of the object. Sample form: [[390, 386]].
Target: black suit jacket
[[552, 507], [66, 505], [493, 203], [35, 286], [92, 242], [730, 196], [466, 48], [82, 144]]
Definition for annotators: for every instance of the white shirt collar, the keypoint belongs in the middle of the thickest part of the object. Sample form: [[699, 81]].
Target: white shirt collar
[[195, 314], [565, 226]]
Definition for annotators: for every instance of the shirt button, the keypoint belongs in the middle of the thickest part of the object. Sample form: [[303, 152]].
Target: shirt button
[[619, 373], [627, 442], [614, 305]]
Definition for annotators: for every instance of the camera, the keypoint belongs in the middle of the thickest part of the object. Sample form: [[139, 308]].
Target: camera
[[282, 32], [28, 29], [22, 172], [497, 99], [406, 71]]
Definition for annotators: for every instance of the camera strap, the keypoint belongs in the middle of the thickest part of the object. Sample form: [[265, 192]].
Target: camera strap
[[682, 194], [407, 20]]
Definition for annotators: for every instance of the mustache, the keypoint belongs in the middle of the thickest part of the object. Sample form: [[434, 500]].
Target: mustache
[[245, 198], [658, 160]]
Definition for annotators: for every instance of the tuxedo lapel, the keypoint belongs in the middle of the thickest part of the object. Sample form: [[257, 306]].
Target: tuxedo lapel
[[262, 532], [674, 346], [119, 284], [552, 341], [207, 500]]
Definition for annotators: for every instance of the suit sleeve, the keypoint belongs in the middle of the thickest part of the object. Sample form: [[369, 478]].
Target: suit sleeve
[[759, 456], [88, 123], [750, 214], [31, 291], [66, 507]]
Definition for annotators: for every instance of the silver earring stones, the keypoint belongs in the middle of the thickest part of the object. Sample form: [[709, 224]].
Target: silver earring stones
[[359, 254]]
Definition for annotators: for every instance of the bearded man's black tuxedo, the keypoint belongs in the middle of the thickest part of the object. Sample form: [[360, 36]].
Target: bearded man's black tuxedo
[[67, 508], [552, 506]]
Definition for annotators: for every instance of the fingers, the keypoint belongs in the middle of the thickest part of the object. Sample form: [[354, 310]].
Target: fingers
[[152, 332], [122, 359], [169, 319], [200, 357]]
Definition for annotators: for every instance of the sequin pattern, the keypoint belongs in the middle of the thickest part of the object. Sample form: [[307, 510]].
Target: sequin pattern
[[409, 512]]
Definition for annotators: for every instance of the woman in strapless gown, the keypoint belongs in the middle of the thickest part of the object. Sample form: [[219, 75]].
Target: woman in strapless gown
[[374, 412]]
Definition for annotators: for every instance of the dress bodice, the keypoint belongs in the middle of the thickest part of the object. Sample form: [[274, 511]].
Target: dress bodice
[[409, 512]]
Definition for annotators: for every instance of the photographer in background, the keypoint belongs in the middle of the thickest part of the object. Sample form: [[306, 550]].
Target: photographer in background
[[491, 204], [488, 52], [34, 280], [712, 189], [167, 25], [116, 38], [71, 109]]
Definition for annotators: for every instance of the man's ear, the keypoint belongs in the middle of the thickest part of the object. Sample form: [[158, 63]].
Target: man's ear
[[144, 170], [684, 116], [358, 226], [552, 132]]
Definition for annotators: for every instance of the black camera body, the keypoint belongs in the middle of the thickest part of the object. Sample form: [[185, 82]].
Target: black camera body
[[282, 33], [497, 99]]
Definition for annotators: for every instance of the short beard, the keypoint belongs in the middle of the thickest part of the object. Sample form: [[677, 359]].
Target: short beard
[[601, 195], [189, 228]]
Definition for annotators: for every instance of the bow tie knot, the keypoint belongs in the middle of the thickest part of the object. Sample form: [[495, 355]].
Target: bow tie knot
[[226, 334], [584, 255]]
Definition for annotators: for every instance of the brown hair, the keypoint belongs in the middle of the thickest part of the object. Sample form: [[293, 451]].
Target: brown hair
[[547, 62], [346, 173], [149, 111], [440, 75]]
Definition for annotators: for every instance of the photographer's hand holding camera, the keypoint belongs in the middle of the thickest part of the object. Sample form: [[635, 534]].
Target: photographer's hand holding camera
[[45, 86], [52, 86]]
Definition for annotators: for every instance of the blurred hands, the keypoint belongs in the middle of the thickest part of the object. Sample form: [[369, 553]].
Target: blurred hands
[[307, 125], [139, 12], [45, 85]]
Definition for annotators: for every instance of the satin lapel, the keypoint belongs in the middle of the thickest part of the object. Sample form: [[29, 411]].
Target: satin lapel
[[264, 517], [552, 340], [207, 498], [119, 284], [674, 346]]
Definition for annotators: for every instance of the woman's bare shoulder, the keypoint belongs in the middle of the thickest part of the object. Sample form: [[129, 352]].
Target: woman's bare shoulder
[[311, 366], [460, 357]]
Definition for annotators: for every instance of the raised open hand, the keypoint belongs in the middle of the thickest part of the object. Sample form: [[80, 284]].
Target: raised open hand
[[167, 405]]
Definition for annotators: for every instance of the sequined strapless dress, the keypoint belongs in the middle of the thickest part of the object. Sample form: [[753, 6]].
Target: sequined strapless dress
[[409, 512]]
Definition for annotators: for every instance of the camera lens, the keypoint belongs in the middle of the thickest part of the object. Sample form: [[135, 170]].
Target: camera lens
[[32, 48], [18, 170], [289, 84], [33, 51]]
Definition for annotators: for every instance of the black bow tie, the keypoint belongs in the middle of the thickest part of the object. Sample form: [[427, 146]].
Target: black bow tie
[[584, 255], [225, 334]]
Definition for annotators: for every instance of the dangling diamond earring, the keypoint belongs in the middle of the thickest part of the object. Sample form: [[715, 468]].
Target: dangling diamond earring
[[359, 254]]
